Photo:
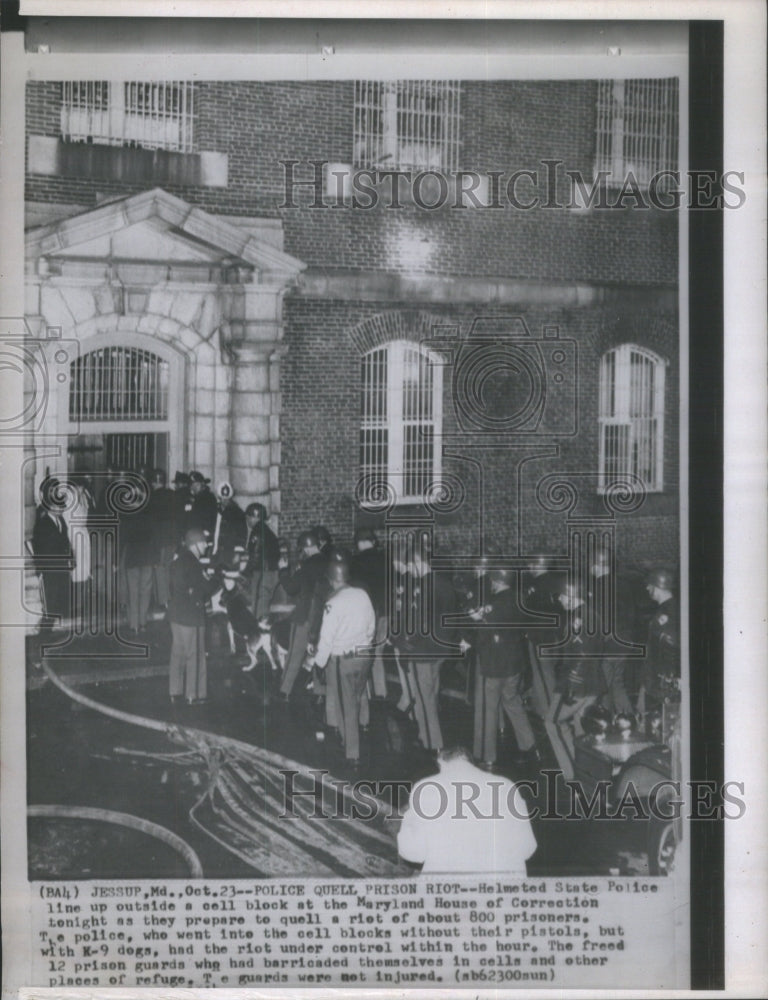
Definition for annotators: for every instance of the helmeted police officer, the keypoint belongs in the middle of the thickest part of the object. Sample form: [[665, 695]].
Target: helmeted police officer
[[541, 587], [502, 657], [368, 569], [662, 665], [307, 586], [580, 680]]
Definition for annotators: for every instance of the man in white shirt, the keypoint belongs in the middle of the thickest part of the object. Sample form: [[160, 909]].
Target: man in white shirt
[[344, 648], [466, 820]]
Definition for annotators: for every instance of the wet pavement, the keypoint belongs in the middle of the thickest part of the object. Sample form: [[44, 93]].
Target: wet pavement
[[79, 756]]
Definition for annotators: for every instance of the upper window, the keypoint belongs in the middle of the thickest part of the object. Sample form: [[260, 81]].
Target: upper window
[[632, 417], [637, 126], [401, 421], [407, 124], [148, 114]]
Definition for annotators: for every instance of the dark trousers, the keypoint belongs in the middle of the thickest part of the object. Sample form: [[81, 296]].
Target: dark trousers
[[542, 679], [424, 677], [188, 674], [161, 573], [349, 676], [139, 585], [56, 593], [296, 654], [491, 693], [261, 591]]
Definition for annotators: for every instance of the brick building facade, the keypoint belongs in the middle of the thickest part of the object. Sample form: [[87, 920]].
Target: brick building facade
[[239, 262]]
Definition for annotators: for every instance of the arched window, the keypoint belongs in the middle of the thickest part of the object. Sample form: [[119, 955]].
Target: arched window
[[124, 405], [401, 388], [631, 416]]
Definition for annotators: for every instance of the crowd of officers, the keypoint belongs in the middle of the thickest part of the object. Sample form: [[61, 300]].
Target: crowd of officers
[[536, 641]]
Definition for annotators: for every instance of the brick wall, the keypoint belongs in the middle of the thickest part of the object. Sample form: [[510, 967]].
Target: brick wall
[[320, 384], [506, 126]]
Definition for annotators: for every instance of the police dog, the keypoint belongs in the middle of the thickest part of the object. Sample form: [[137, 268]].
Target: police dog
[[257, 632]]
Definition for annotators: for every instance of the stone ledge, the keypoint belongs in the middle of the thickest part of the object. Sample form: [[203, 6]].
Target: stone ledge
[[51, 156], [378, 286]]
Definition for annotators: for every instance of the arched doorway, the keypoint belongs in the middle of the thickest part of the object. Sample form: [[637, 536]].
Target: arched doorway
[[124, 410]]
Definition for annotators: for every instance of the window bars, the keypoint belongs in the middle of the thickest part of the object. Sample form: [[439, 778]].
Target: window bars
[[407, 124], [631, 417], [136, 451], [401, 415], [152, 115], [637, 130], [119, 383]]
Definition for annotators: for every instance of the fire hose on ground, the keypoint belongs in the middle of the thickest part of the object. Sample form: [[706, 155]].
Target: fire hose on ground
[[122, 819]]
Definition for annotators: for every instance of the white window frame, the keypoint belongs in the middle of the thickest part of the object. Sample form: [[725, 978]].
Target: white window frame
[[619, 396], [395, 129], [394, 421], [637, 130], [129, 113]]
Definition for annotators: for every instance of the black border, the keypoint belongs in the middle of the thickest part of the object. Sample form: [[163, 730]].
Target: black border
[[705, 505]]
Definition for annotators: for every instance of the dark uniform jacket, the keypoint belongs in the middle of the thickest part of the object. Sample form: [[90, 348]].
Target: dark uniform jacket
[[49, 538], [308, 587], [625, 603], [540, 592], [431, 598], [501, 652], [162, 512], [579, 669], [232, 532], [137, 542], [182, 499], [203, 512], [663, 648], [189, 590], [368, 569], [262, 549]]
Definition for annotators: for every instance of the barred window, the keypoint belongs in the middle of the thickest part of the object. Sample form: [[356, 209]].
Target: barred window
[[152, 115], [118, 383], [401, 422], [407, 124], [631, 417], [637, 129]]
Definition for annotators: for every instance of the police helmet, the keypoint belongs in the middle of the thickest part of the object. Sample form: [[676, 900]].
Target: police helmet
[[573, 589], [365, 535], [661, 578], [337, 572], [307, 539], [322, 535], [337, 554]]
